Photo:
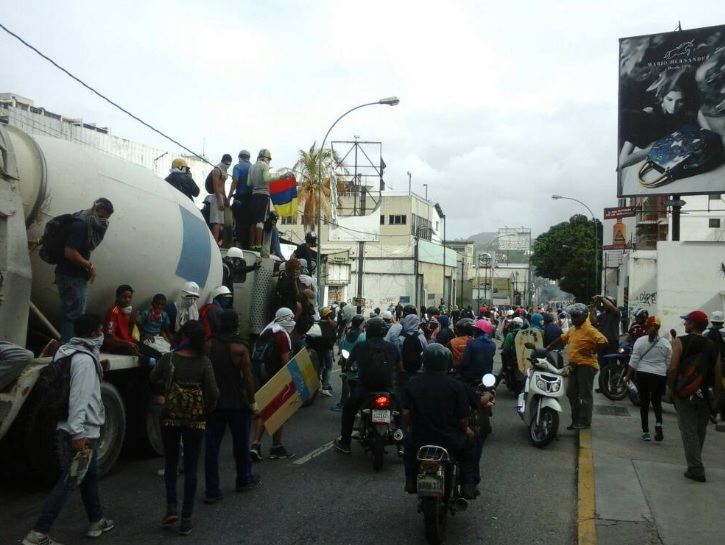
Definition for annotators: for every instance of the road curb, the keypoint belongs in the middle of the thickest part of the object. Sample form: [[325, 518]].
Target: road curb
[[586, 504]]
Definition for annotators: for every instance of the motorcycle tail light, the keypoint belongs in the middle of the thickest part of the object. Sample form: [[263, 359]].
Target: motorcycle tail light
[[429, 464], [382, 401]]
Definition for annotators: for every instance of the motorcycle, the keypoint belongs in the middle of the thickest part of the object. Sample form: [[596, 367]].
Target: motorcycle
[[538, 405], [480, 419], [376, 424], [439, 492], [613, 371]]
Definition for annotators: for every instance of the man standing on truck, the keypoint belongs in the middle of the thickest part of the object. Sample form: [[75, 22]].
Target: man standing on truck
[[259, 178], [242, 193], [79, 434], [217, 198], [75, 270]]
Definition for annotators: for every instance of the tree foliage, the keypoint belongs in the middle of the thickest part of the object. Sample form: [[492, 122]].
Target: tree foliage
[[307, 170], [568, 253]]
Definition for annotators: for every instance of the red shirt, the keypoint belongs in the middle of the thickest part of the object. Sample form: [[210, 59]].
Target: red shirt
[[117, 324]]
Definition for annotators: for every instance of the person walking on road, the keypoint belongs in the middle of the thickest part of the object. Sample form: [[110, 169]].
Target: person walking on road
[[79, 434], [584, 343], [716, 334], [651, 355], [693, 411], [235, 406], [191, 391]]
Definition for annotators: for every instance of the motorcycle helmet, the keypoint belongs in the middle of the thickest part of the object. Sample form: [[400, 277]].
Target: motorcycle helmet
[[437, 359], [357, 321], [519, 312], [264, 154], [409, 309], [482, 310], [537, 320], [484, 325], [387, 316], [244, 154], [641, 315], [509, 313], [516, 323], [311, 238], [578, 313], [235, 252], [464, 327], [376, 327]]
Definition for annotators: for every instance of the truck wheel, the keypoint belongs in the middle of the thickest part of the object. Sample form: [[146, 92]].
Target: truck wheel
[[153, 428], [40, 441], [113, 431]]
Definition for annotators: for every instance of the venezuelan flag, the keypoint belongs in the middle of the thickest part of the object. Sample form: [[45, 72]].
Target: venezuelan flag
[[286, 391], [284, 195]]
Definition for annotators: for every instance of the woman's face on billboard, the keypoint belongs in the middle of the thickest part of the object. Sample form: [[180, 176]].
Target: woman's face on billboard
[[673, 102]]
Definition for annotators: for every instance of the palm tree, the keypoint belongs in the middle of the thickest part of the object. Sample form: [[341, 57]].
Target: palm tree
[[306, 170]]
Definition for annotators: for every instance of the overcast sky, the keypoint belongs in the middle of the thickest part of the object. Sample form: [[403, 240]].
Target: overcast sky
[[502, 104]]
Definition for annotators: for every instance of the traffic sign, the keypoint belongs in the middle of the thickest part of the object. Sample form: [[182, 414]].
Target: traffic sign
[[675, 202]]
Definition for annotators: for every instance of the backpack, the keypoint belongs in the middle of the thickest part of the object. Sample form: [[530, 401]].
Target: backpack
[[209, 183], [376, 371], [411, 353], [184, 404], [54, 237], [262, 354], [691, 373], [329, 335], [54, 383]]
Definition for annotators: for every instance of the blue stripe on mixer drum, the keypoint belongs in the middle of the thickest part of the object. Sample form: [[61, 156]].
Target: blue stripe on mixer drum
[[195, 257]]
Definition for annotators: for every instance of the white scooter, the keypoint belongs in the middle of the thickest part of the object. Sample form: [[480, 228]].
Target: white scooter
[[538, 405]]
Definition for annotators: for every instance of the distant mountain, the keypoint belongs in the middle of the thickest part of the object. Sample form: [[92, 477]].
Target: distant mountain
[[482, 240]]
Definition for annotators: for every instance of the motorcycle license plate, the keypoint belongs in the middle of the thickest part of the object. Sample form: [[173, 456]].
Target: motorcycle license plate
[[381, 416], [430, 485]]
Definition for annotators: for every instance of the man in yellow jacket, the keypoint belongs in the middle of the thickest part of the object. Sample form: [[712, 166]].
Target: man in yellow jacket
[[584, 343]]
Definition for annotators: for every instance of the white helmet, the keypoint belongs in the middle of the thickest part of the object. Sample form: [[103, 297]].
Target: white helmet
[[518, 321], [190, 289], [235, 252], [216, 292], [509, 313], [387, 315]]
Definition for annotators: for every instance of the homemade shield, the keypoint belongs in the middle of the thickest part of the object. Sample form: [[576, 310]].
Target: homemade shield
[[535, 336]]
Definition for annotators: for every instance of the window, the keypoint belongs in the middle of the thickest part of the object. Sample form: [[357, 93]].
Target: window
[[382, 219], [397, 219], [714, 223], [714, 196], [288, 220]]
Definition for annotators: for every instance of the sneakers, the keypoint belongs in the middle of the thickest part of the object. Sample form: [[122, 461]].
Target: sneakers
[[469, 491], [255, 453], [646, 436], [338, 407], [278, 452], [580, 426], [658, 433], [342, 447], [251, 485], [186, 527], [36, 538], [326, 392], [101, 527], [211, 500]]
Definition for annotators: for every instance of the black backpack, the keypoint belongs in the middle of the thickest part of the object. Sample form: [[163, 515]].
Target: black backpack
[[209, 183], [54, 383], [54, 237], [412, 353], [263, 354], [376, 371]]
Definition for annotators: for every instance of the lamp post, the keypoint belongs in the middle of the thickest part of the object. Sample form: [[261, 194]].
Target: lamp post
[[390, 101], [596, 235], [426, 192], [485, 258]]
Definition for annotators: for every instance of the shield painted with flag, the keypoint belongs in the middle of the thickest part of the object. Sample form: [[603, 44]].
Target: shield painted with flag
[[286, 391], [283, 193]]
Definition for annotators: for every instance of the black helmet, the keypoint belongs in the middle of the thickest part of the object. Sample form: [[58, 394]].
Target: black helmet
[[409, 309], [432, 311], [464, 327], [311, 237], [437, 359], [375, 327], [641, 314], [577, 309], [357, 321]]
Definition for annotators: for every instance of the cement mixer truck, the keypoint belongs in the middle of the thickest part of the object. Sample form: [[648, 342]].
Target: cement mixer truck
[[156, 242]]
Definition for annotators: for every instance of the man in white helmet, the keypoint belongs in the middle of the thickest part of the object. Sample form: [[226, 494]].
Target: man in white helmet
[[184, 308]]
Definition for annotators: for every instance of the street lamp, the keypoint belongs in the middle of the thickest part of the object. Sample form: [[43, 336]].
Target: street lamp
[[596, 235], [390, 101]]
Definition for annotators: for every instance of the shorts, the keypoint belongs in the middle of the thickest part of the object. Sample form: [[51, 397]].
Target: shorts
[[215, 215], [258, 208]]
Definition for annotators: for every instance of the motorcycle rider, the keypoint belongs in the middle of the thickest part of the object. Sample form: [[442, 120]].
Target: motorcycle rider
[[584, 341], [370, 378], [436, 407], [464, 332], [508, 349], [638, 328], [478, 356]]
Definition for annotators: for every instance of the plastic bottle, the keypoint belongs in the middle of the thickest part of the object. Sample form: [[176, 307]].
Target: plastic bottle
[[78, 467]]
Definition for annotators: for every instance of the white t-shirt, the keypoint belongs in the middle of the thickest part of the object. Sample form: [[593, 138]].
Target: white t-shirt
[[651, 360]]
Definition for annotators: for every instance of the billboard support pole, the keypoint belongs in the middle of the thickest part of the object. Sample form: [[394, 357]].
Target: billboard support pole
[[676, 219]]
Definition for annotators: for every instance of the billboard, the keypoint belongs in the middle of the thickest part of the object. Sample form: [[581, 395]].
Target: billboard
[[672, 113], [514, 238], [619, 226]]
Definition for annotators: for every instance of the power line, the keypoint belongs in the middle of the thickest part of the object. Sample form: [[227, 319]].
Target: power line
[[101, 95]]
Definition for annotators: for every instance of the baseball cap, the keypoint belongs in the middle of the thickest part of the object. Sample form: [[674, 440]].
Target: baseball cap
[[695, 315], [717, 316], [653, 320]]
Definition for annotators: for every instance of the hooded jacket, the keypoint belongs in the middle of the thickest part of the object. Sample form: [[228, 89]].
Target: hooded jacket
[[86, 414]]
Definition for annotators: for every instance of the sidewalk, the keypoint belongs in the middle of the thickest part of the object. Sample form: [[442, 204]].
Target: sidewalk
[[641, 494]]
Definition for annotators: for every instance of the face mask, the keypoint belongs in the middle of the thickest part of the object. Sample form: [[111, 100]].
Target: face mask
[[97, 342], [127, 310], [188, 302], [98, 222]]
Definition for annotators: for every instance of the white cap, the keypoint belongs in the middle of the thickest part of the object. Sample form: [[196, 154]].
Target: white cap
[[387, 315], [717, 316]]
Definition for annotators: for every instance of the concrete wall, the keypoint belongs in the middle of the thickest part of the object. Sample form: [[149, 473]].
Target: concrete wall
[[643, 293]]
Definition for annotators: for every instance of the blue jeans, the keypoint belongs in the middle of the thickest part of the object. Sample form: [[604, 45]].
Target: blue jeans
[[60, 493], [239, 423], [172, 437], [73, 292]]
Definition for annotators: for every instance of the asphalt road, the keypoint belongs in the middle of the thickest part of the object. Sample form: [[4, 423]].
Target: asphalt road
[[528, 495]]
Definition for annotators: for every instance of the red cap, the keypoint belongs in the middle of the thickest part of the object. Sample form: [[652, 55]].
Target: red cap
[[696, 315]]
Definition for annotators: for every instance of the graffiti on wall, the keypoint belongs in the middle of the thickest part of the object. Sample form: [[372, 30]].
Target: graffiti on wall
[[645, 298]]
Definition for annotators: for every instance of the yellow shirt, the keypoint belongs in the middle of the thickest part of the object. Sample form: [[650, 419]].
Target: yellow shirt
[[584, 343]]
